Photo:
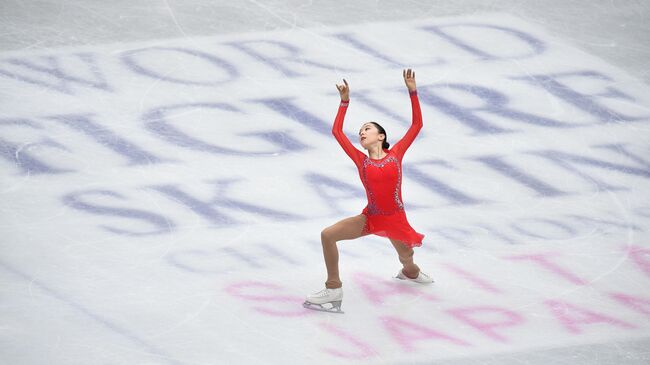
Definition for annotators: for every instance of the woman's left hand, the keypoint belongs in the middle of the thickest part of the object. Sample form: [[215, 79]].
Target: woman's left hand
[[409, 79]]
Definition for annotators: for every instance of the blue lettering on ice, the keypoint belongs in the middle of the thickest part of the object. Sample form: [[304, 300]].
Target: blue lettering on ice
[[544, 225], [499, 165], [279, 254], [497, 234], [536, 46], [454, 234], [107, 138], [155, 122], [363, 98], [52, 75], [160, 223], [293, 56], [186, 261], [289, 109], [568, 161], [495, 104], [247, 258], [217, 261], [453, 195], [20, 156], [214, 210], [323, 185], [350, 39], [279, 138], [643, 211], [598, 221], [365, 48], [622, 149], [131, 60], [585, 102]]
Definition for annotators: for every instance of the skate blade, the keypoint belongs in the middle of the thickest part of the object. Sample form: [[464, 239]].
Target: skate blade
[[336, 307]]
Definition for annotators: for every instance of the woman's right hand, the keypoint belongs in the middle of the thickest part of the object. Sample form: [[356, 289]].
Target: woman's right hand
[[344, 91]]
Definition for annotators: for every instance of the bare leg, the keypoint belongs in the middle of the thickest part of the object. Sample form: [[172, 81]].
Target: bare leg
[[346, 229], [405, 253]]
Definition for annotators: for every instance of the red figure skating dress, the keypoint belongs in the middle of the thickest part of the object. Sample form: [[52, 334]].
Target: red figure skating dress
[[382, 179]]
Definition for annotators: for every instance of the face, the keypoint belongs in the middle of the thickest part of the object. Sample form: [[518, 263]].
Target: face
[[369, 135]]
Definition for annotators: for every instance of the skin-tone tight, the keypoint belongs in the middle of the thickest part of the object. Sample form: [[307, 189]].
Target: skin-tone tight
[[349, 229]]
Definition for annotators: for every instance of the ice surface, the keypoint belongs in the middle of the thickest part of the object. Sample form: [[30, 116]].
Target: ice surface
[[167, 168]]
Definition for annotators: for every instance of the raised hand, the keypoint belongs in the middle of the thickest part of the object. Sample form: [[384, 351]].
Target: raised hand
[[409, 79], [344, 91]]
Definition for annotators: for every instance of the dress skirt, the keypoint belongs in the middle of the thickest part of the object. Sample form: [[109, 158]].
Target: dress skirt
[[394, 226]]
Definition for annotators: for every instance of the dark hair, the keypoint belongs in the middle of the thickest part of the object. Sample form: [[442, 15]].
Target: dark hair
[[381, 129]]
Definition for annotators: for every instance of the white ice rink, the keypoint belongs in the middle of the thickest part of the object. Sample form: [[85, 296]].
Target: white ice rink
[[167, 168]]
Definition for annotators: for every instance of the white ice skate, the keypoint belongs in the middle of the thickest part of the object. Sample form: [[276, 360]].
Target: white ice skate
[[326, 300], [422, 278]]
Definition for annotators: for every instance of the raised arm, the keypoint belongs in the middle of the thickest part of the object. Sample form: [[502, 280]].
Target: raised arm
[[416, 124], [337, 129]]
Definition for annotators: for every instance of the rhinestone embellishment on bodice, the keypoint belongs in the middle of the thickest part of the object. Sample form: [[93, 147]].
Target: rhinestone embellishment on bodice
[[372, 205]]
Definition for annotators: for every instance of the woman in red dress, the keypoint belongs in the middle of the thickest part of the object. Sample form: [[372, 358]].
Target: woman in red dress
[[381, 175]]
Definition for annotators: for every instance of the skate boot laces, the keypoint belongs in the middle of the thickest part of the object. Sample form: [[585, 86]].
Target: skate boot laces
[[326, 295]]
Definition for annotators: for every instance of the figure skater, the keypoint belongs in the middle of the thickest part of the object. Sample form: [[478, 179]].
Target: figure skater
[[381, 175]]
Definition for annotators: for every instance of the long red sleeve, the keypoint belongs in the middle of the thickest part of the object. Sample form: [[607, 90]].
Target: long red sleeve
[[403, 144], [337, 130]]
